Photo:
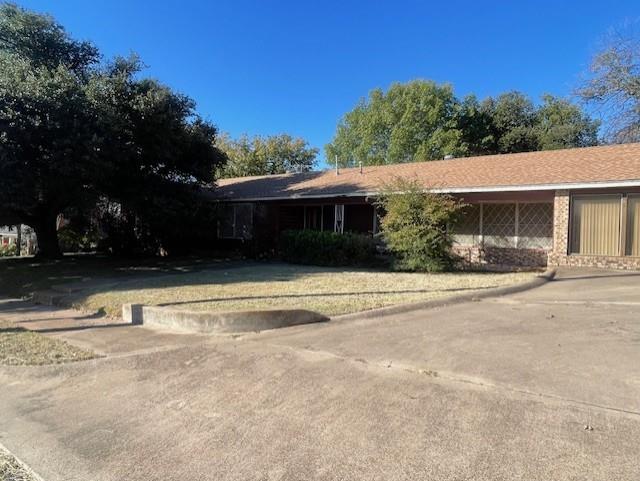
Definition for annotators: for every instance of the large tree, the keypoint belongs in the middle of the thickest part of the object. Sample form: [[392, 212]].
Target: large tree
[[513, 123], [74, 130], [258, 155], [561, 124], [409, 122], [613, 86], [421, 120]]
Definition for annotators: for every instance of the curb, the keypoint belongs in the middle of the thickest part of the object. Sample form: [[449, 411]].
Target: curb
[[218, 322], [538, 281]]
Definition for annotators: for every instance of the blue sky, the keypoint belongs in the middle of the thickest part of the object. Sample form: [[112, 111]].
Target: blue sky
[[265, 67]]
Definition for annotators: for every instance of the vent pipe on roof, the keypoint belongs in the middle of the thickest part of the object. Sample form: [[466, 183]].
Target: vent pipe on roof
[[337, 168], [361, 167]]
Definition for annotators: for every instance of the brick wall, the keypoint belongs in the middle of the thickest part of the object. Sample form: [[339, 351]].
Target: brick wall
[[559, 256], [602, 262], [475, 256], [561, 222]]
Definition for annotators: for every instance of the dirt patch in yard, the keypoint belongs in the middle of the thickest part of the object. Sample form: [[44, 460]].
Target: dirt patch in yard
[[330, 291], [21, 347]]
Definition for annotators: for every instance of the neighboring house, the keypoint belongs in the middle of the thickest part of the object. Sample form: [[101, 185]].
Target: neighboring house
[[578, 207], [8, 235]]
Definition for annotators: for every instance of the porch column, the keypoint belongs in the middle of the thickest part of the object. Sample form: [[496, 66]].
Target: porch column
[[560, 227]]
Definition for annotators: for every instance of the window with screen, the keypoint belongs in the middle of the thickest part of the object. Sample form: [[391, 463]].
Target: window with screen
[[499, 225]]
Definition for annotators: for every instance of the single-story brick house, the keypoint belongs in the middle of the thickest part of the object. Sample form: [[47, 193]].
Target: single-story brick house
[[578, 207]]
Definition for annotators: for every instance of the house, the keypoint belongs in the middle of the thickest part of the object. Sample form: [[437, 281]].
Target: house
[[575, 207], [8, 235]]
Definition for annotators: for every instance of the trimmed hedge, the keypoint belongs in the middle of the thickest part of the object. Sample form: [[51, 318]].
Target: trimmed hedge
[[325, 248]]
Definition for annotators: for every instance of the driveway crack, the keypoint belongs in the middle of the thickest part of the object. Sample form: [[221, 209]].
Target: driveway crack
[[444, 377]]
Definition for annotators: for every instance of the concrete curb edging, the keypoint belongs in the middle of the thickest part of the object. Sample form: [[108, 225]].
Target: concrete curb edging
[[223, 322], [539, 280]]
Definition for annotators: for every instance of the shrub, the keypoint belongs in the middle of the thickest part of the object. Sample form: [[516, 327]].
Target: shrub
[[8, 250], [416, 226], [327, 248]]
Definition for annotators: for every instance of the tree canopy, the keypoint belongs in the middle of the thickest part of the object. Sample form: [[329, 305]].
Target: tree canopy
[[258, 155], [613, 86], [76, 132], [421, 120], [411, 121]]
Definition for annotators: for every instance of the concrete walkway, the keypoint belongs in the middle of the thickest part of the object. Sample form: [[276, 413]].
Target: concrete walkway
[[500, 389]]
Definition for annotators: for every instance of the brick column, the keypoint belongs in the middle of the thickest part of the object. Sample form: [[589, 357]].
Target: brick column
[[560, 228]]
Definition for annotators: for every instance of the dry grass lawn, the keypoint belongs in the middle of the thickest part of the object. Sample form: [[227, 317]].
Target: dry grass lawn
[[11, 469], [21, 347], [331, 291]]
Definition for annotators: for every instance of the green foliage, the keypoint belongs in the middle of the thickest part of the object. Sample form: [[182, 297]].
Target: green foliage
[[421, 120], [8, 250], [561, 124], [513, 118], [326, 248], [409, 122], [416, 226], [257, 155], [74, 130]]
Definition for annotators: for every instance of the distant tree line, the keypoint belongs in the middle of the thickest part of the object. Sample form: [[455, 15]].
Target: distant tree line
[[421, 120], [257, 155]]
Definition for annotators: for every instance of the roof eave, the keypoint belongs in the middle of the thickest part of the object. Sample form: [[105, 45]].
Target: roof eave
[[452, 190]]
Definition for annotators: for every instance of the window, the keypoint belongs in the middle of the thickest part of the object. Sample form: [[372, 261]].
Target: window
[[467, 232], [499, 225], [236, 222], [595, 225], [358, 218], [633, 226], [313, 217], [328, 217], [535, 226]]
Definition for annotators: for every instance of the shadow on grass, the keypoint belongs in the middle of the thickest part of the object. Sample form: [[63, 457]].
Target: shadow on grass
[[99, 314], [83, 327], [12, 329]]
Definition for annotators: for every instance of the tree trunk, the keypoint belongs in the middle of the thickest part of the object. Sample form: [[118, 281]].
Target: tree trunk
[[47, 236], [19, 239]]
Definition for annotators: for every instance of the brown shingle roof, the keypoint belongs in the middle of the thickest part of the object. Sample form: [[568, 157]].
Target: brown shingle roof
[[530, 170]]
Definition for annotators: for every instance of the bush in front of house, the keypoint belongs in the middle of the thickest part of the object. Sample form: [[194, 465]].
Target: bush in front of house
[[7, 250], [416, 226], [326, 248]]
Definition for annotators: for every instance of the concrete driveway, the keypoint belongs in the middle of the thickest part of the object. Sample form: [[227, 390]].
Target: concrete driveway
[[500, 389]]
